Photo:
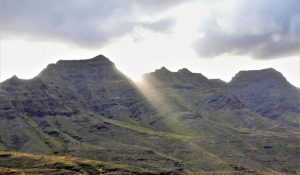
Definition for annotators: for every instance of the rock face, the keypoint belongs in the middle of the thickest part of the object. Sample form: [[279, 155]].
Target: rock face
[[182, 122]]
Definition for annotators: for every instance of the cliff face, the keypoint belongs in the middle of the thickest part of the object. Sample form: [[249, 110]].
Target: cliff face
[[87, 108]]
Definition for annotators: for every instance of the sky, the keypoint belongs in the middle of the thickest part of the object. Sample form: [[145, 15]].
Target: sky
[[217, 38]]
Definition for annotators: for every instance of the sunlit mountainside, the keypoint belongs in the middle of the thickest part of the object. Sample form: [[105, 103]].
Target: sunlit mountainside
[[86, 117]]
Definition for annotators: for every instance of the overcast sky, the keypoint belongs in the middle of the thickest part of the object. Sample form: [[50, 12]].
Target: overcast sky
[[214, 37]]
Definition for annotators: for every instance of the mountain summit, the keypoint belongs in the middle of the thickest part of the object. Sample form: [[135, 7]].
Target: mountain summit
[[267, 92], [97, 68], [270, 76], [181, 123]]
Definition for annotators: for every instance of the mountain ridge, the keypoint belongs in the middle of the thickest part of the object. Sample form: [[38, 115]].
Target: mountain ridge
[[101, 58]]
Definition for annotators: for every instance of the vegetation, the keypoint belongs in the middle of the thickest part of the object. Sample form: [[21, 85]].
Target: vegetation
[[21, 163]]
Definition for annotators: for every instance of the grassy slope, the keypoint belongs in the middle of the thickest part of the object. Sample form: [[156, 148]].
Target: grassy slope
[[217, 148], [23, 163], [18, 163]]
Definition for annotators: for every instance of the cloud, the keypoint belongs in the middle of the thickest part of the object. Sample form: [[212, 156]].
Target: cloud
[[163, 25], [263, 29], [90, 23]]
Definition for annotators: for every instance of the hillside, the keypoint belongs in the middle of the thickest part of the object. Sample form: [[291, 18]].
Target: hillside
[[172, 123], [18, 163]]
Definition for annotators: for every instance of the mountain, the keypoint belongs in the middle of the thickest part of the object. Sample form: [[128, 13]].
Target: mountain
[[172, 123]]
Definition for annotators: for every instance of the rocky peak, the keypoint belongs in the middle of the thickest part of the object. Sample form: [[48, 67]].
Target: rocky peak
[[96, 68], [162, 70], [181, 73], [269, 75], [99, 59], [184, 71], [14, 80], [181, 79]]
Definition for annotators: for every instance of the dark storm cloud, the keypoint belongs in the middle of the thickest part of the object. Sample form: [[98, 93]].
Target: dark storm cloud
[[263, 29], [89, 23]]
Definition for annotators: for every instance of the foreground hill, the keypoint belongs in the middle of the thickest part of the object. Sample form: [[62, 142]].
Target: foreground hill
[[174, 122], [21, 163], [14, 163]]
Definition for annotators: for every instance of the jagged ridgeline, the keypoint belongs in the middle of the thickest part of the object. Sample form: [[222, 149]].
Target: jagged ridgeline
[[171, 123]]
